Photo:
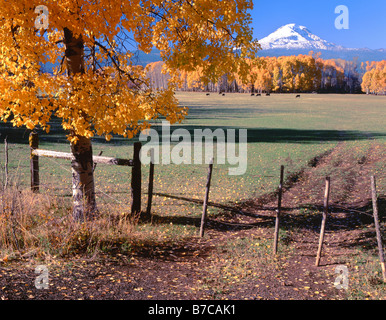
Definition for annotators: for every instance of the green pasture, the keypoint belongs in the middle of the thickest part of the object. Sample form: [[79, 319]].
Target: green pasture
[[282, 130]]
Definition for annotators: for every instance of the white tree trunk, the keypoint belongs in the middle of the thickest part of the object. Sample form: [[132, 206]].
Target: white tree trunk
[[83, 189]]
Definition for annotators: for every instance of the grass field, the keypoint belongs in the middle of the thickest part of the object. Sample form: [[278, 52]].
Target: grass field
[[282, 130]]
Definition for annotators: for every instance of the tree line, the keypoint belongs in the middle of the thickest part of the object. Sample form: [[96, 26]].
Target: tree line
[[374, 80], [301, 73]]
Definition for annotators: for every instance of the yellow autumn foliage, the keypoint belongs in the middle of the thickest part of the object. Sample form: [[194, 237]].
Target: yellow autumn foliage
[[113, 95], [374, 80]]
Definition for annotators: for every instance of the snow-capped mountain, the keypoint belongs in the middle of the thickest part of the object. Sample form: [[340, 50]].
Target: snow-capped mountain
[[293, 36], [293, 39]]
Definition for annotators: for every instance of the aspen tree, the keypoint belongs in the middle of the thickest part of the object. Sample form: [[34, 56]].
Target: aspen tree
[[99, 89]]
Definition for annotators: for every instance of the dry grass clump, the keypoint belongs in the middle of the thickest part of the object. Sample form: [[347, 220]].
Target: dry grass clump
[[39, 225]]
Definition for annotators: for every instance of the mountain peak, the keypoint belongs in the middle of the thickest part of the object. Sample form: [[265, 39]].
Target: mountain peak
[[292, 26], [293, 36]]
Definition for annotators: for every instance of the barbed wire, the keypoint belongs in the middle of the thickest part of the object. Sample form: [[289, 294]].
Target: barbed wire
[[199, 170]]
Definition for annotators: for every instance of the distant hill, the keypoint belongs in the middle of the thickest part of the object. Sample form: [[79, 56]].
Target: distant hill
[[293, 39], [290, 39], [363, 55], [140, 58], [143, 59]]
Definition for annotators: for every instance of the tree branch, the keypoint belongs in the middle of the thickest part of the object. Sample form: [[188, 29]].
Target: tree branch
[[118, 68]]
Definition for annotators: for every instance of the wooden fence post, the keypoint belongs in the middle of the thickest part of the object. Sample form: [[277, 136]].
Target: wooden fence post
[[277, 222], [95, 164], [34, 162], [377, 228], [324, 219], [136, 180], [205, 206], [151, 183]]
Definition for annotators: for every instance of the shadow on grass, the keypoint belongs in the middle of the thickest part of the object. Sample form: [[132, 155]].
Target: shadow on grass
[[278, 135], [340, 218], [211, 223], [354, 218], [267, 135]]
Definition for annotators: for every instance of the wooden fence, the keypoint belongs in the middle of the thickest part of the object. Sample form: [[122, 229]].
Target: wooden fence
[[135, 163]]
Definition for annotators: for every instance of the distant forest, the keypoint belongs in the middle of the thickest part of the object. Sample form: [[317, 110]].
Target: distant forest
[[301, 73]]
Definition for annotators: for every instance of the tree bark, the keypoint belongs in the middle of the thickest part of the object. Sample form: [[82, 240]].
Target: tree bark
[[83, 189], [74, 53]]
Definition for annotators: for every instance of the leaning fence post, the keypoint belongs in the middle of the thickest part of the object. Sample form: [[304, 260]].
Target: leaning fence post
[[324, 219], [277, 222], [34, 162], [136, 180], [151, 182], [205, 206], [377, 229]]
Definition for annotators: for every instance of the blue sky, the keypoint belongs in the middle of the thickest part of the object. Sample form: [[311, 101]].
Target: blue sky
[[367, 20]]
